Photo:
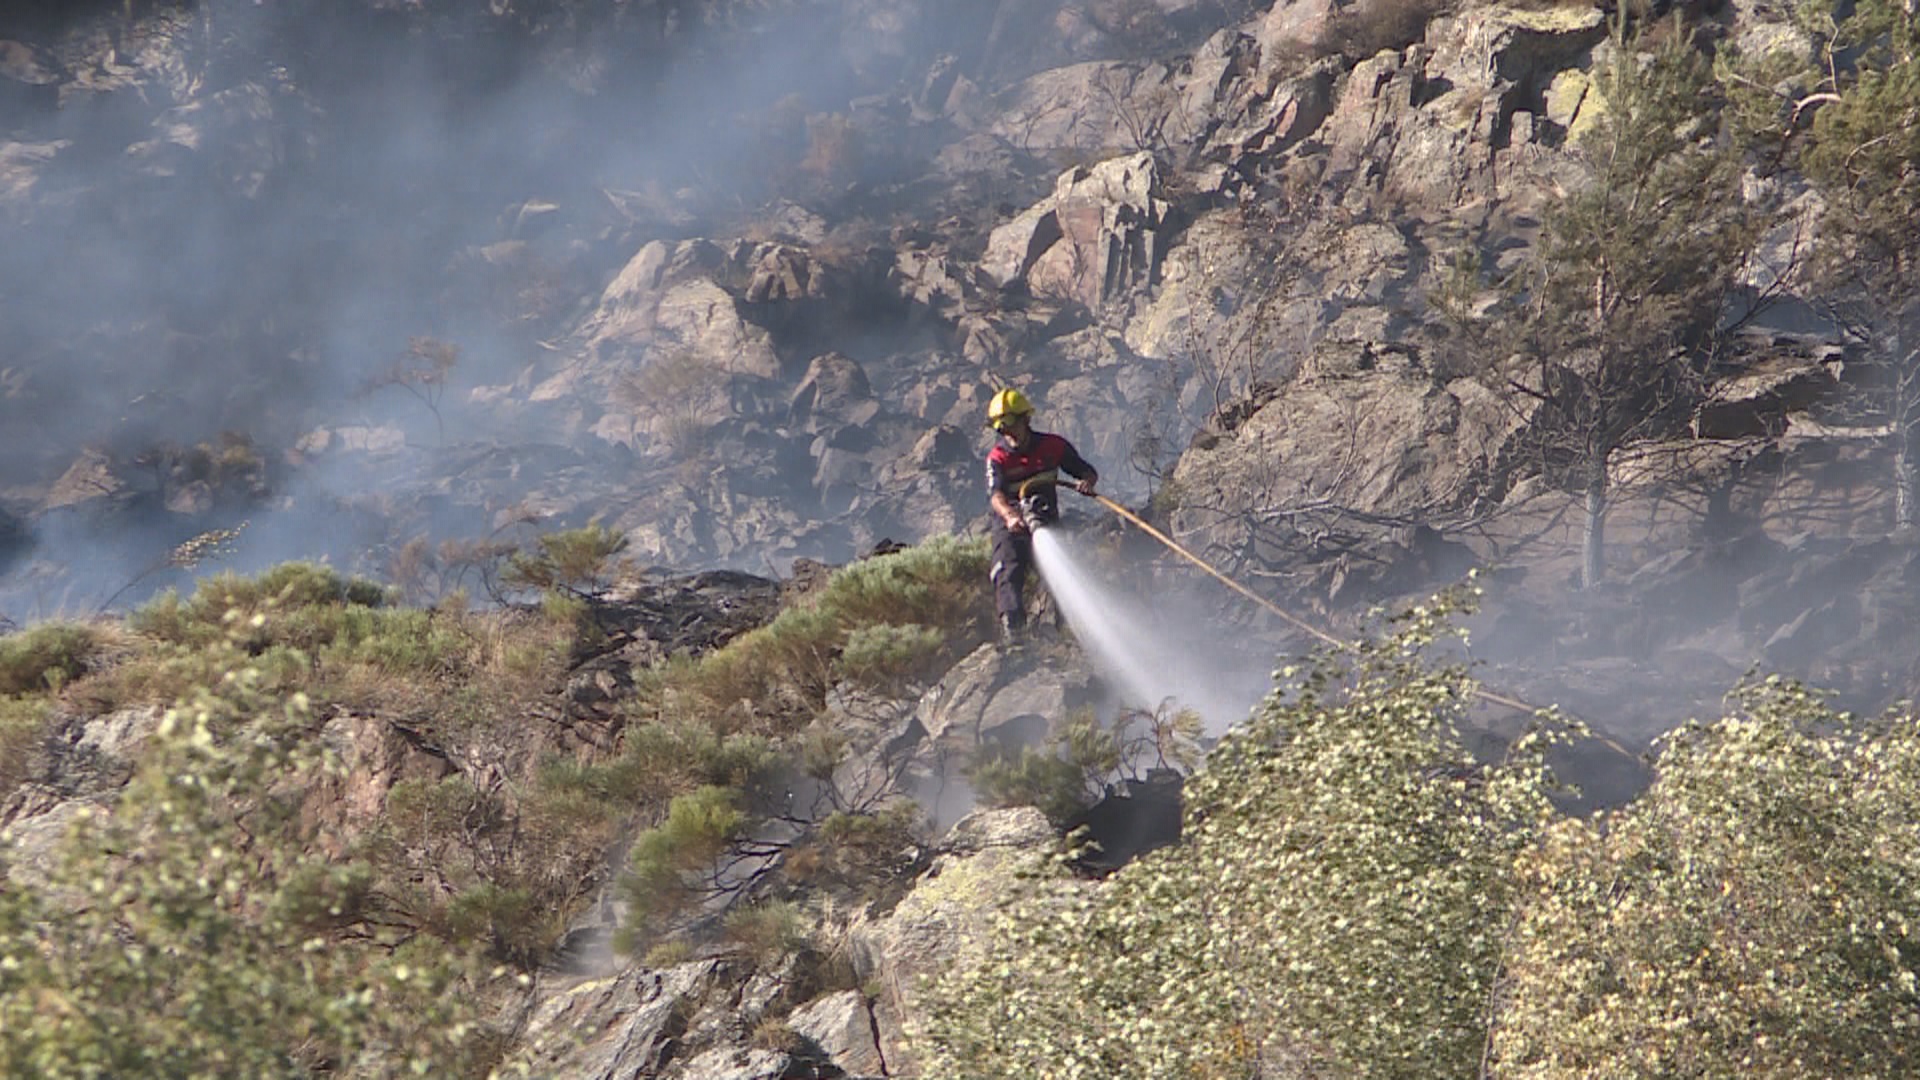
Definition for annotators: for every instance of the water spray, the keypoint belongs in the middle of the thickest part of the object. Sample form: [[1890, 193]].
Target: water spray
[[1492, 697]]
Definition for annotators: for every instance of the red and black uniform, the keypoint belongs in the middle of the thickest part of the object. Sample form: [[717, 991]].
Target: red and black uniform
[[1028, 472]]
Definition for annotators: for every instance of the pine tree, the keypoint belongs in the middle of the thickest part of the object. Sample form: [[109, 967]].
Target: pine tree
[[1619, 310], [1860, 152]]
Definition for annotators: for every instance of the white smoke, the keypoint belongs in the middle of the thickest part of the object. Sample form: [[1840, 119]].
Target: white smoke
[[1150, 652]]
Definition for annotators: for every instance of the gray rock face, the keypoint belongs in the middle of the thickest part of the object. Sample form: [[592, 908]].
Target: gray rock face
[[1408, 445], [945, 918], [735, 1063], [842, 1025], [623, 1027], [1094, 239]]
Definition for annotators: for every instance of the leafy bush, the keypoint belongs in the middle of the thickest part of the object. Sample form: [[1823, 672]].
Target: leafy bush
[[1338, 906], [45, 656], [23, 726], [886, 657], [676, 860], [766, 932], [662, 760], [1752, 914], [580, 562], [778, 675], [471, 868], [1072, 772], [283, 604], [222, 948]]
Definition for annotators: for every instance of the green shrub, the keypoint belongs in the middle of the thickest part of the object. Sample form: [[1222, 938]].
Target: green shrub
[[1338, 906], [1037, 778], [23, 727], [885, 657], [1753, 914], [675, 860], [401, 641], [669, 953], [223, 948], [659, 761], [581, 562], [766, 932], [778, 675], [45, 657], [294, 603], [508, 876], [1072, 772]]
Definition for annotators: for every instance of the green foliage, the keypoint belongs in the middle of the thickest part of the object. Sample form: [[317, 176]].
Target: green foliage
[[45, 657], [677, 859], [1338, 906], [661, 760], [884, 608], [885, 656], [289, 604], [1082, 757], [185, 934], [1861, 87], [581, 562], [1863, 144], [1615, 318], [766, 932], [1061, 780], [473, 868], [860, 849], [23, 727], [1751, 915]]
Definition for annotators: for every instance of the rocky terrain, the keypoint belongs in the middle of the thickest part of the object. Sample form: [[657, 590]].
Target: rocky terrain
[[736, 280]]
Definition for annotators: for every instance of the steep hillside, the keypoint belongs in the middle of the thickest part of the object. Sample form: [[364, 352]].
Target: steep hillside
[[529, 368]]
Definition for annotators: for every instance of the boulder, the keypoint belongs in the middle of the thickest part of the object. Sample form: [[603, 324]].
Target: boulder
[[990, 857], [375, 753], [624, 1026], [1366, 429], [843, 1027], [834, 392], [119, 735], [1097, 237], [735, 1063], [667, 298]]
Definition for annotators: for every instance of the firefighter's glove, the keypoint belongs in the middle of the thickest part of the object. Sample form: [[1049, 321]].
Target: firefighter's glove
[[1016, 523]]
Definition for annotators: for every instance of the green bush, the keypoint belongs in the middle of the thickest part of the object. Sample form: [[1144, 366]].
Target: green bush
[[1753, 914], [659, 761], [579, 562], [505, 875], [1338, 906], [675, 861], [23, 727], [886, 657], [45, 657], [1072, 771], [766, 932], [295, 604], [209, 942], [402, 641], [882, 608]]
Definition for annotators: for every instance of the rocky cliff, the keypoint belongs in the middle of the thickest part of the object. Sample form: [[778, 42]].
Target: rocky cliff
[[737, 280]]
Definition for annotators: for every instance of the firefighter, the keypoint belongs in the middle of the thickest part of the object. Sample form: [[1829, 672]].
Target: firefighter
[[1022, 470]]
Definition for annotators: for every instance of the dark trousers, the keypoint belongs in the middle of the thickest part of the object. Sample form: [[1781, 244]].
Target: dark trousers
[[1012, 556]]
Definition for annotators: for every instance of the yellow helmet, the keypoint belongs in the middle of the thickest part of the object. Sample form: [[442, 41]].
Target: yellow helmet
[[1005, 404]]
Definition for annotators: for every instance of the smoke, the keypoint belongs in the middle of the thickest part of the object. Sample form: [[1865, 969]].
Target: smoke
[[241, 211], [1154, 651]]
